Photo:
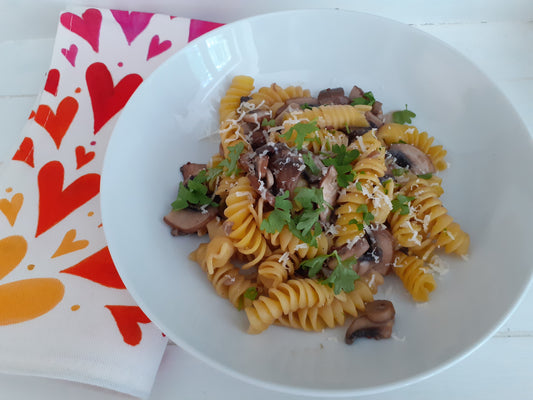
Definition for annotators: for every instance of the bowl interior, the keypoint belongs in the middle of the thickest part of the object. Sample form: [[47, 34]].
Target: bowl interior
[[170, 120]]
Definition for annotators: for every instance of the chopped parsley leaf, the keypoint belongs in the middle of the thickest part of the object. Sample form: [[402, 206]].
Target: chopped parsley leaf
[[401, 203], [302, 130], [342, 161], [403, 116], [367, 99], [194, 193], [231, 161]]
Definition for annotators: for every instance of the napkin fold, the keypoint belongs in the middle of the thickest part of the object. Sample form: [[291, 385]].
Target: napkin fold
[[64, 311]]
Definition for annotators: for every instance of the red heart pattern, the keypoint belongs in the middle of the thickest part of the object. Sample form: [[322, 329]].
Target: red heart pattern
[[87, 26], [98, 268], [132, 23], [52, 81], [57, 124], [128, 319], [70, 54], [25, 152], [107, 99], [157, 48], [83, 157], [56, 202]]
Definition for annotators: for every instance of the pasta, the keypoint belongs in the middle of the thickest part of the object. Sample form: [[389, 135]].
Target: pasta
[[310, 204]]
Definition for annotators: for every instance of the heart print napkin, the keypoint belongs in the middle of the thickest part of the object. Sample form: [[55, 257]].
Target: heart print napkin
[[64, 311]]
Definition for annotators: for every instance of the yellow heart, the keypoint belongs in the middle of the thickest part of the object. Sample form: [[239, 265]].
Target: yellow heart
[[12, 251], [11, 208], [69, 244], [28, 299]]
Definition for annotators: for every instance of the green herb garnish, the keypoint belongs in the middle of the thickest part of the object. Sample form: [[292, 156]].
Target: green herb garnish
[[401, 203], [302, 130], [342, 161], [403, 116], [367, 99], [281, 215], [367, 216], [268, 122], [305, 106], [343, 276], [426, 176], [194, 193], [233, 157], [310, 163], [399, 171], [251, 293]]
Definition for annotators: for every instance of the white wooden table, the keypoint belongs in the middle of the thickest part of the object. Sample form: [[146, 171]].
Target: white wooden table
[[497, 35]]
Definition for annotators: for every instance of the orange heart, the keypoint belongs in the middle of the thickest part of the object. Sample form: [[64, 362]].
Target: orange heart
[[28, 299], [57, 124], [12, 251], [69, 244], [11, 208], [83, 156]]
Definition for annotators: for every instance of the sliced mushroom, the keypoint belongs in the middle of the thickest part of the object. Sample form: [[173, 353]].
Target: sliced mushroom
[[373, 120], [380, 253], [332, 96], [377, 109], [188, 221], [310, 101], [257, 138], [407, 155], [358, 249], [286, 167], [380, 311], [261, 166], [356, 92], [256, 116], [314, 178], [330, 192], [190, 170], [375, 323], [288, 108]]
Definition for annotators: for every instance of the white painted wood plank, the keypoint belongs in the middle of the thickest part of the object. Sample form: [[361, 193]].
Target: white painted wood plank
[[24, 19], [23, 66], [490, 373]]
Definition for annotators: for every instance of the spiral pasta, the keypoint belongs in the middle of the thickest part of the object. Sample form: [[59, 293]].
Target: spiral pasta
[[414, 276], [394, 133], [241, 86], [288, 297], [244, 231], [307, 207]]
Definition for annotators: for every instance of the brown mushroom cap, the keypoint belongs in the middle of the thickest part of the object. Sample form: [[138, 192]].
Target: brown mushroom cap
[[330, 192], [382, 244], [409, 155], [189, 221], [190, 170], [380, 311], [375, 323]]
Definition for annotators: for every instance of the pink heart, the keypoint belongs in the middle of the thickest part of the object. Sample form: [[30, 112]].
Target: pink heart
[[157, 48], [87, 26], [70, 54], [132, 23]]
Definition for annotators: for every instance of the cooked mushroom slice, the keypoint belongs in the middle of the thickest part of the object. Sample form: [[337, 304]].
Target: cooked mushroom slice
[[380, 255], [356, 92], [309, 101], [358, 249], [365, 325], [190, 170], [189, 221], [289, 107], [312, 178], [410, 156], [261, 166], [256, 116], [373, 120], [377, 109], [330, 191], [380, 311], [286, 167], [257, 138], [332, 96]]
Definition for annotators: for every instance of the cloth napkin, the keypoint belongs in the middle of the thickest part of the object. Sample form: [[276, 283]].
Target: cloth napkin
[[64, 311]]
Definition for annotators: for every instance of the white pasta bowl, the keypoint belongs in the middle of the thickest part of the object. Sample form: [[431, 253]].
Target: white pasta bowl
[[487, 190]]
